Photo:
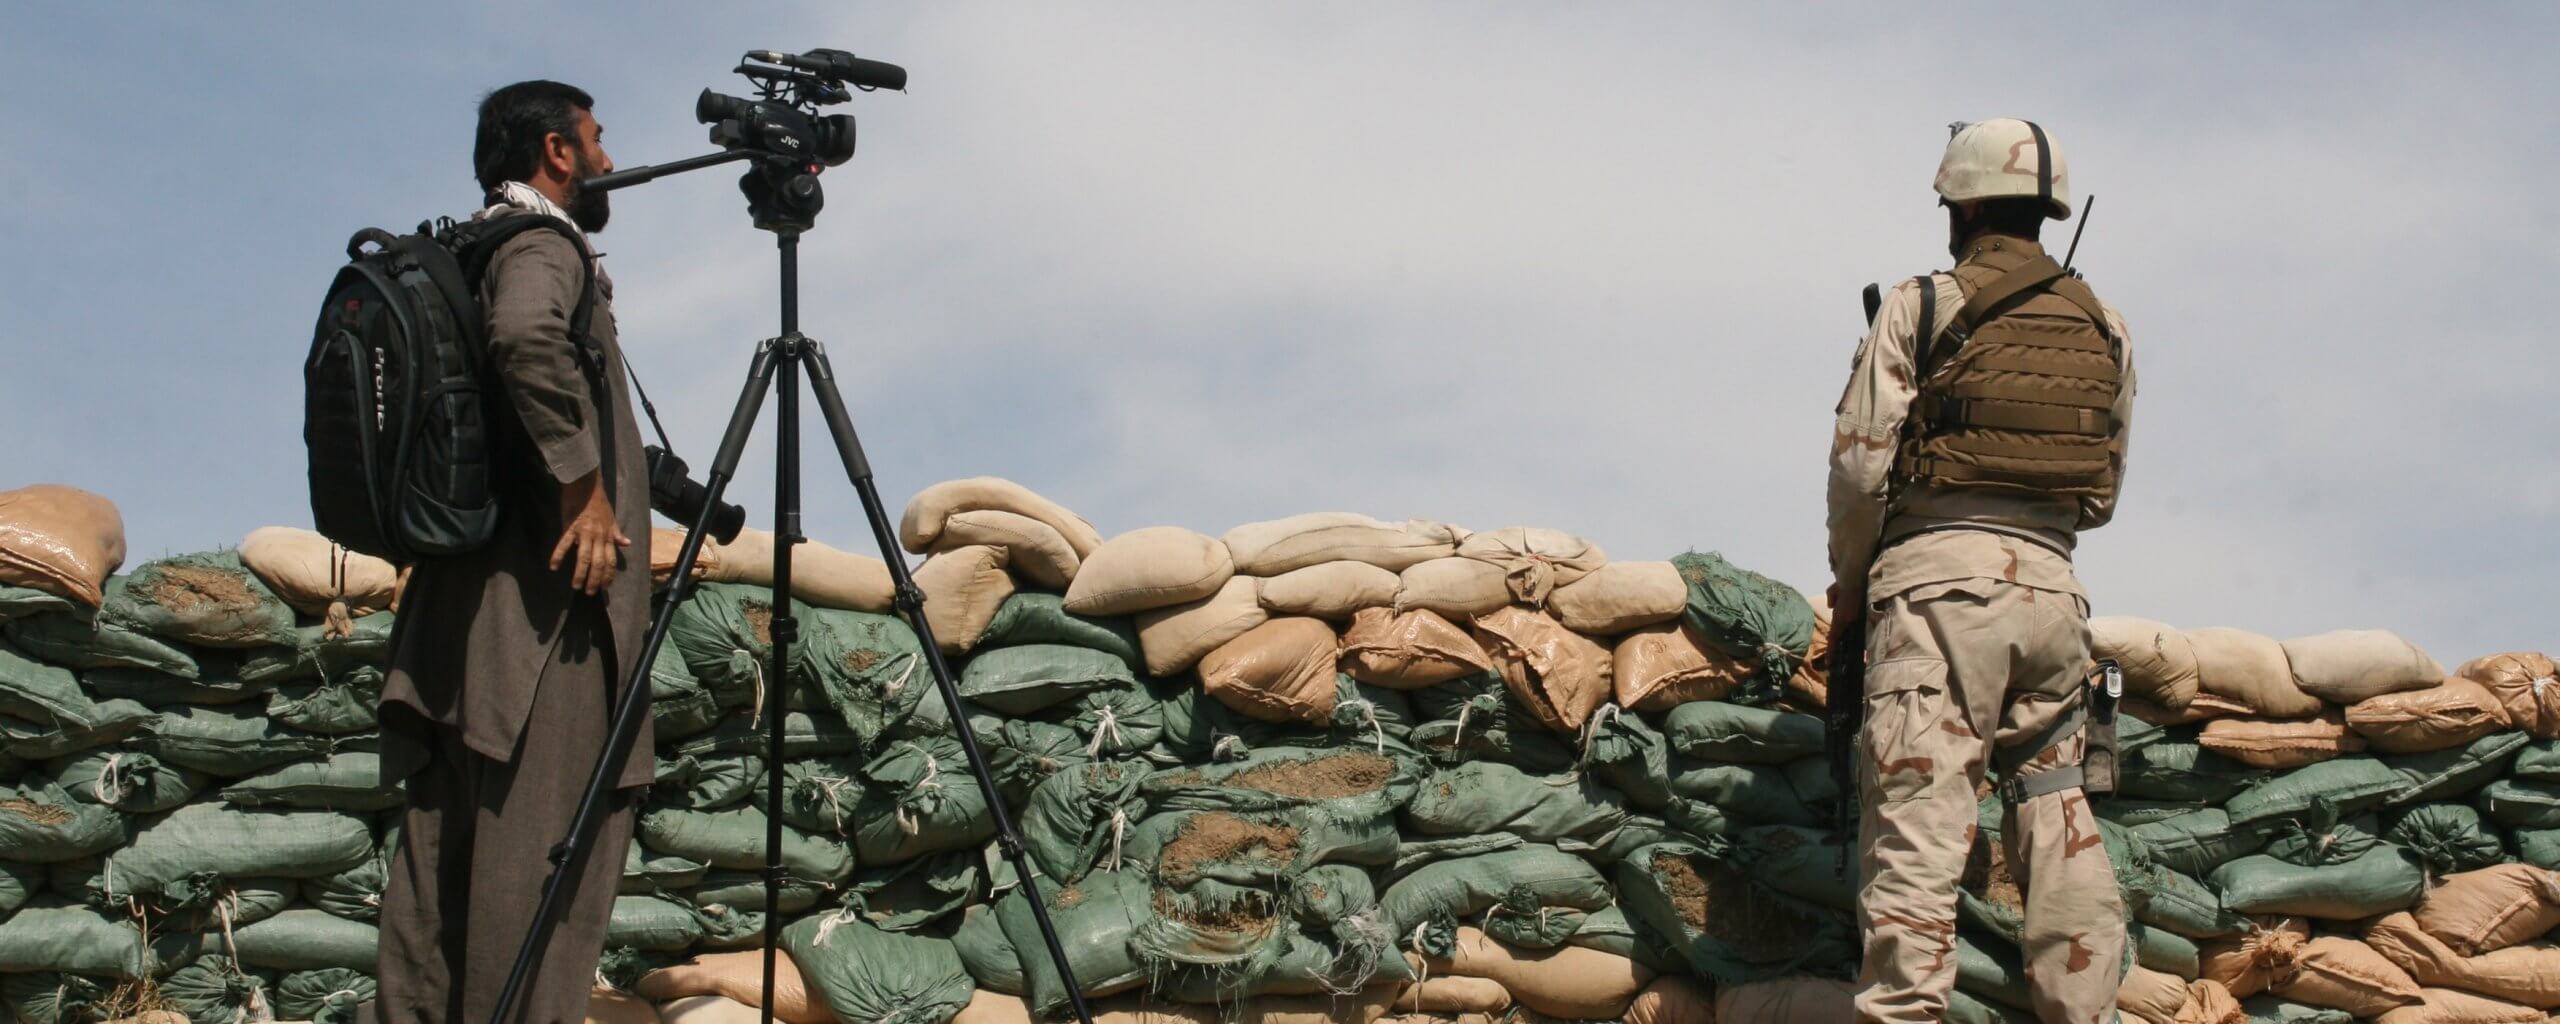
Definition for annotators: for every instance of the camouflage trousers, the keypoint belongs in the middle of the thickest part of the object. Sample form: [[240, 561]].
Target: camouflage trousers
[[1952, 663]]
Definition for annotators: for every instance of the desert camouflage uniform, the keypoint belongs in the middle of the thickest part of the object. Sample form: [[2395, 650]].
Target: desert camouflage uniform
[[1978, 645]]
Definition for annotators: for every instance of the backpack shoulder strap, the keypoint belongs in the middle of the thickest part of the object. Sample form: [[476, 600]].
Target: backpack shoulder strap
[[1924, 349], [2012, 284], [482, 247]]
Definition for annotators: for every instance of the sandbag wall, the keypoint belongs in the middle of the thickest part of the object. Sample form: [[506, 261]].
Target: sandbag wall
[[1321, 768]]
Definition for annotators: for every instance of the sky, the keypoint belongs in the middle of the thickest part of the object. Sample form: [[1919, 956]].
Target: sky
[[1587, 266]]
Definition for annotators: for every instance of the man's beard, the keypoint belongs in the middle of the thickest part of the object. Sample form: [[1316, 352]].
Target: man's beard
[[588, 208]]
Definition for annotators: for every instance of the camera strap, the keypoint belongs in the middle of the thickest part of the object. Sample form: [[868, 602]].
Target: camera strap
[[645, 406]]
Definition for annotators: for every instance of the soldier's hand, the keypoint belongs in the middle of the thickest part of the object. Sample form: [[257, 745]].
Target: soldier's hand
[[591, 542], [1848, 612]]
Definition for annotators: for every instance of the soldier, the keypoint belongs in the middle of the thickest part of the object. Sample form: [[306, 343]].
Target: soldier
[[1982, 429]]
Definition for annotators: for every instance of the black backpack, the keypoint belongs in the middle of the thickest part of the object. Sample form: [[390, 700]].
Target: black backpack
[[397, 389]]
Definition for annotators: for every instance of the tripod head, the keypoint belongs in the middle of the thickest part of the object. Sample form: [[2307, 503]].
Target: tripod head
[[780, 130]]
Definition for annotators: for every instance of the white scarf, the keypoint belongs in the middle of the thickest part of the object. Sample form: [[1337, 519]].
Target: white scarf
[[516, 195]]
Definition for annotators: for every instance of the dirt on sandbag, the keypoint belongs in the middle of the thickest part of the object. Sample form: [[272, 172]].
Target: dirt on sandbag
[[1345, 774], [759, 617], [1724, 904], [1245, 915], [1212, 837], [186, 587], [36, 813]]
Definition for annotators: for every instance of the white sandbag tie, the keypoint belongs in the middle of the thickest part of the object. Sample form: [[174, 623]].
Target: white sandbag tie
[[1600, 717], [827, 925], [1106, 728], [756, 667], [110, 784], [899, 685], [1119, 833], [1368, 712], [830, 787], [908, 822]]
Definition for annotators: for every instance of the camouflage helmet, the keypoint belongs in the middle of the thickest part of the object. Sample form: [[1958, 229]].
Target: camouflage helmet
[[2002, 158]]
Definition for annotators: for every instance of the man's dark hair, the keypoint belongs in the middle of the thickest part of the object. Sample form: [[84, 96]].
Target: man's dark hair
[[2017, 217], [513, 122]]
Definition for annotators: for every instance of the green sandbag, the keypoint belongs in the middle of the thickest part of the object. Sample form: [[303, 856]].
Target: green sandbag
[[655, 924], [1965, 1008], [919, 798], [1478, 718], [356, 893], [2385, 879], [2445, 838], [2353, 785], [347, 781], [1255, 849], [804, 734], [342, 705], [115, 721], [316, 656], [327, 996], [46, 997], [1027, 679], [202, 600], [1115, 722], [2522, 805], [1716, 731], [83, 640], [228, 742], [2179, 903], [41, 693], [1199, 728], [226, 842], [682, 716], [2456, 772], [1489, 796], [129, 781], [1811, 778], [1748, 615], [910, 896], [2264, 1009], [1610, 930], [2130, 812], [2168, 764], [1034, 618], [202, 901], [53, 935], [865, 974], [1080, 818], [1349, 784], [217, 682], [1097, 920], [214, 990], [1288, 962], [1728, 929], [2197, 842], [820, 794], [1629, 755], [1752, 793], [2318, 840], [2538, 760], [1809, 864], [1991, 970], [42, 824], [707, 782], [1372, 716], [19, 883], [733, 838], [2539, 847], [646, 872], [303, 939], [1534, 897], [868, 667], [724, 633], [21, 602], [1021, 754], [744, 890], [725, 926], [985, 952], [2166, 951]]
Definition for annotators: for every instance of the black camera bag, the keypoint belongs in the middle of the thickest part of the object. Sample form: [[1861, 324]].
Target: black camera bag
[[397, 389]]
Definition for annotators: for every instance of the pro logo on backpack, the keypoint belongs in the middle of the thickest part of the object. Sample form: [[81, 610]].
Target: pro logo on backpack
[[396, 391]]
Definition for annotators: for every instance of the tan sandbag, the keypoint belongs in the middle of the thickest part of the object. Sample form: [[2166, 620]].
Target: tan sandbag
[[2246, 965], [2159, 665], [1560, 675], [1672, 999], [1330, 590], [2491, 908], [2449, 714], [1287, 545], [2150, 996], [2205, 708], [1798, 1000], [1174, 639], [709, 1010], [1437, 1018], [987, 1007], [2349, 665], [665, 544], [1279, 671], [2344, 974], [2281, 742], [962, 589], [1620, 596], [1409, 650], [1035, 550], [2527, 974], [61, 540], [820, 575], [316, 575], [1143, 570], [1535, 561], [1460, 588], [2251, 669], [606, 1006], [1455, 994], [2527, 684], [1809, 687], [1658, 668], [151, 1017], [1362, 1007], [2210, 1003], [2453, 1006], [738, 976], [1571, 982], [930, 512]]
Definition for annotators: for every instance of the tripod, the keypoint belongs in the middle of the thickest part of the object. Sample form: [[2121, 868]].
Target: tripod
[[784, 198]]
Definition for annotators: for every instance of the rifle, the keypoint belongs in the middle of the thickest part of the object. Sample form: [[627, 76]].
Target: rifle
[[1844, 697]]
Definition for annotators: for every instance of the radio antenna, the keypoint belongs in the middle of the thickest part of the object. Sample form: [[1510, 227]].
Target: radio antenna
[[2085, 209]]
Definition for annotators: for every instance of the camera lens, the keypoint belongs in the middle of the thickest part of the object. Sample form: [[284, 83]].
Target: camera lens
[[713, 108], [835, 139]]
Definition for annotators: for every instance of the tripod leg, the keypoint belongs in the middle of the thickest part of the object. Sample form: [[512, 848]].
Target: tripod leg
[[633, 705], [857, 468]]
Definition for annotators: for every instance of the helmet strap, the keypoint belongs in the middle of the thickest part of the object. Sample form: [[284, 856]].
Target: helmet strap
[[2044, 165]]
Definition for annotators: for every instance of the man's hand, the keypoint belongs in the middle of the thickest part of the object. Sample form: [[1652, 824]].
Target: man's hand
[[590, 541], [1848, 612]]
